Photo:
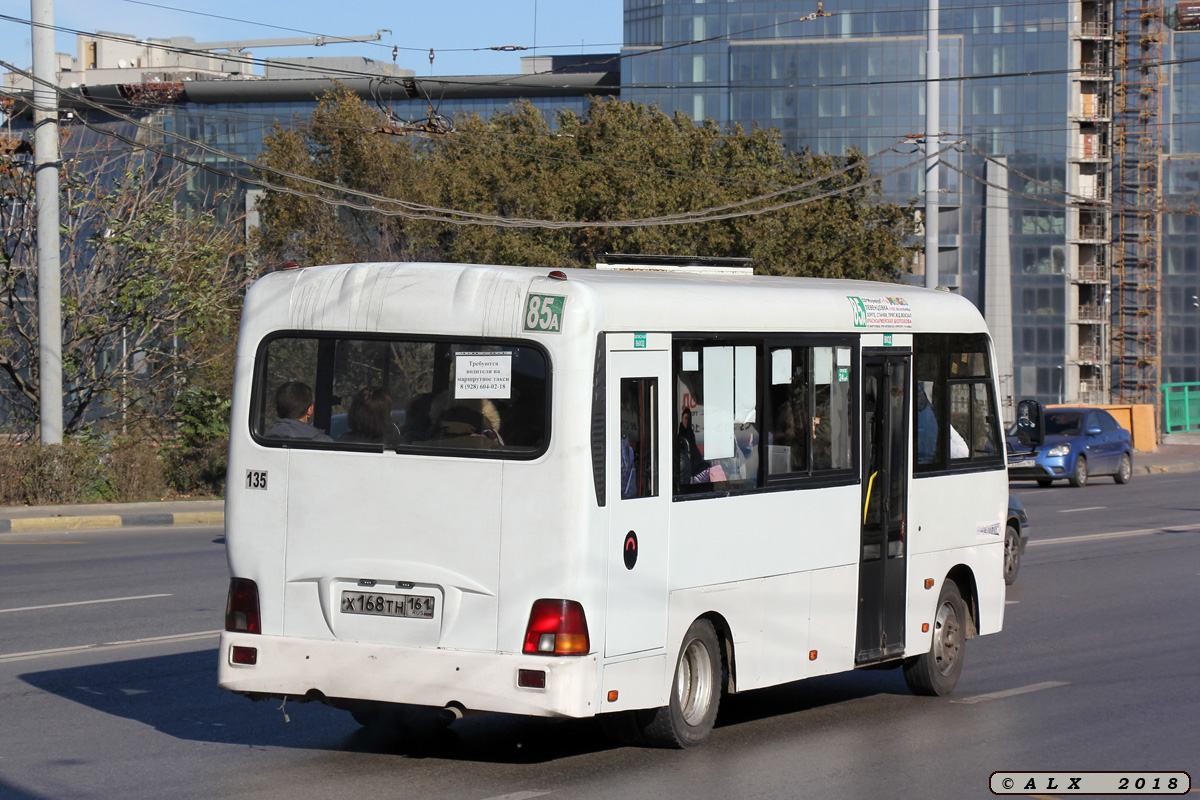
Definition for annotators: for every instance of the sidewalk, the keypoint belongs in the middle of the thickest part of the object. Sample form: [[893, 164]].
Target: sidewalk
[[1168, 458], [24, 519]]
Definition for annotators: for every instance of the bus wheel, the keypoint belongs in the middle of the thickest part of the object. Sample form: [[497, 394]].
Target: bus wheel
[[695, 693], [1012, 554], [936, 672]]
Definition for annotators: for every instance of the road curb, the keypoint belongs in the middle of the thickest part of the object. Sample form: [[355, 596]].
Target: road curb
[[74, 523], [1157, 469]]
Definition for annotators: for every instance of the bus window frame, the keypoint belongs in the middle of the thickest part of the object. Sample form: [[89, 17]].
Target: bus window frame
[[955, 466], [764, 342], [259, 396]]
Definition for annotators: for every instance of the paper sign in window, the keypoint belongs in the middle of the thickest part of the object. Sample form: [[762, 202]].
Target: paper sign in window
[[822, 365], [781, 366], [718, 402], [483, 375]]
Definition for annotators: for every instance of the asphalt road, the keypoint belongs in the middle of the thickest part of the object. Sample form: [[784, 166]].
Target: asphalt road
[[108, 661]]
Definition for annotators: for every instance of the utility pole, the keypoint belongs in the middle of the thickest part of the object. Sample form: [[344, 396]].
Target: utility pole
[[933, 97], [49, 273]]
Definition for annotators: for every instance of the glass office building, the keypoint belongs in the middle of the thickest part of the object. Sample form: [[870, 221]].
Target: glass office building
[[1028, 96]]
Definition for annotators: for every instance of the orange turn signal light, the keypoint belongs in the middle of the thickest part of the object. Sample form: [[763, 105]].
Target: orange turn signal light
[[924, 627], [612, 695], [812, 655], [929, 583]]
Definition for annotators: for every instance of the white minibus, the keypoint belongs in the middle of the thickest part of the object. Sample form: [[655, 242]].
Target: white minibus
[[614, 492]]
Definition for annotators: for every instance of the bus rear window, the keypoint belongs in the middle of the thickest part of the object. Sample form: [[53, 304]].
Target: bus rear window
[[347, 392]]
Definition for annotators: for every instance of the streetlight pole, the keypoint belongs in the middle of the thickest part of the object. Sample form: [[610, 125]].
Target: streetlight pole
[[933, 96], [49, 270]]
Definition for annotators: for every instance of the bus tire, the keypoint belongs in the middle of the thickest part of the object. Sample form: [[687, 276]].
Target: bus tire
[[688, 718], [1012, 554], [936, 673]]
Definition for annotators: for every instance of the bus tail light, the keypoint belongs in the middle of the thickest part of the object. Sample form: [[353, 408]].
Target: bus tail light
[[241, 609], [557, 627]]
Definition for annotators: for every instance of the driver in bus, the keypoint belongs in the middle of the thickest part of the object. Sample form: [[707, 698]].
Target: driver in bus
[[294, 408]]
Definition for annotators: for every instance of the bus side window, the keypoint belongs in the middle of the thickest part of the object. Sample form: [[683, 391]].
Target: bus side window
[[639, 435], [955, 421]]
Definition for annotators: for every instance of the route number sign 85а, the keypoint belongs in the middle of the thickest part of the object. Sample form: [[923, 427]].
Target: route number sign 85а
[[544, 312]]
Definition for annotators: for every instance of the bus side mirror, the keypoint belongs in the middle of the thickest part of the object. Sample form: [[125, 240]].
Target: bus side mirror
[[1031, 432]]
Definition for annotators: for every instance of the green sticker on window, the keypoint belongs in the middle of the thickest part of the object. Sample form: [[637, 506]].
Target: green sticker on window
[[544, 313], [639, 341], [843, 374], [887, 340]]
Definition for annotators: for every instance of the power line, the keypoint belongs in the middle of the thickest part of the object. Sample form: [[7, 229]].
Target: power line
[[732, 86], [421, 211]]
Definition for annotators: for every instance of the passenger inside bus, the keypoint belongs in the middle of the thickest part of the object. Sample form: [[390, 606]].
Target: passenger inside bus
[[692, 466], [927, 431], [294, 407], [370, 417], [466, 422], [417, 421]]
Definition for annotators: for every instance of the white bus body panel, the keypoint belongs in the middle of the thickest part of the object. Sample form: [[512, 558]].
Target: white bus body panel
[[489, 537]]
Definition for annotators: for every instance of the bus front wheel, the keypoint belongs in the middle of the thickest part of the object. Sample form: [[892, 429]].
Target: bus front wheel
[[936, 673], [688, 718]]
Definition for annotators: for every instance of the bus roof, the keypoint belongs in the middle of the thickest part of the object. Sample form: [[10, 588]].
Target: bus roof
[[486, 300]]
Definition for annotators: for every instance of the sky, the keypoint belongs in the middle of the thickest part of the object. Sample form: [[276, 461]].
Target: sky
[[459, 31]]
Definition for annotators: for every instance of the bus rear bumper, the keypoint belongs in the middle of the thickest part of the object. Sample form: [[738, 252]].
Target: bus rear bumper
[[471, 681]]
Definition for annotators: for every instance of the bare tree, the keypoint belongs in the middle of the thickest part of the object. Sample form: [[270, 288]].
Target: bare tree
[[152, 278]]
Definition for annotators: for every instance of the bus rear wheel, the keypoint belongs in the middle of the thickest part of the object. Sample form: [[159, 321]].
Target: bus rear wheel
[[688, 718], [936, 673]]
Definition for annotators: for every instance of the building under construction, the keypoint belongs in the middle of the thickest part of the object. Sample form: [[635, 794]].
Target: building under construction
[[1132, 189]]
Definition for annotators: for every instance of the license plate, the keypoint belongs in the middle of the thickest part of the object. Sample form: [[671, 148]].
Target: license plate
[[1026, 463], [387, 605]]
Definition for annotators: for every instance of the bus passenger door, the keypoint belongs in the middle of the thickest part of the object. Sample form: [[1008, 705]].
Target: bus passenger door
[[637, 491], [881, 577]]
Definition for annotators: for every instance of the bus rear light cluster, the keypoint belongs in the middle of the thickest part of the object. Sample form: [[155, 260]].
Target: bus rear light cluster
[[241, 609], [557, 627]]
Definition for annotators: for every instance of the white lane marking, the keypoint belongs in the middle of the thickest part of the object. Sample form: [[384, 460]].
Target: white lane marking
[[1092, 537], [176, 637], [517, 796], [84, 603], [1089, 508], [1034, 687]]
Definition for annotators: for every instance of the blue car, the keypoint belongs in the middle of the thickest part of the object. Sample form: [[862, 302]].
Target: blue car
[[1080, 443]]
